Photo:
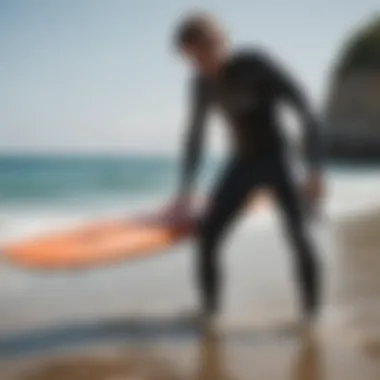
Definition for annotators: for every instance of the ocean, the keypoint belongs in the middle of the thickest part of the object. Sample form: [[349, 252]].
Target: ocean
[[40, 193], [44, 192]]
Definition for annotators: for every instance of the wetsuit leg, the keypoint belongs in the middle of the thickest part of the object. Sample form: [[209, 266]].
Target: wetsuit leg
[[229, 198], [295, 223]]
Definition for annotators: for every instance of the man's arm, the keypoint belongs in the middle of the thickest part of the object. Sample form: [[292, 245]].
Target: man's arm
[[194, 137], [286, 88]]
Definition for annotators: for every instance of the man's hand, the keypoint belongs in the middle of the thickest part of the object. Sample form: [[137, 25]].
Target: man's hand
[[179, 209]]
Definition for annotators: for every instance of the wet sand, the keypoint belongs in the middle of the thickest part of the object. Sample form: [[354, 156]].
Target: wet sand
[[127, 322]]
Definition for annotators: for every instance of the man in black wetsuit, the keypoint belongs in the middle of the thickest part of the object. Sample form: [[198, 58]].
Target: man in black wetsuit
[[246, 87]]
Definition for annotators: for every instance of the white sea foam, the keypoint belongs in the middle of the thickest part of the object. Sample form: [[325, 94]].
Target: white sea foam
[[348, 194]]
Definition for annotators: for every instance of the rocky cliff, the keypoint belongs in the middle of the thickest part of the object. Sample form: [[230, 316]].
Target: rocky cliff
[[353, 107]]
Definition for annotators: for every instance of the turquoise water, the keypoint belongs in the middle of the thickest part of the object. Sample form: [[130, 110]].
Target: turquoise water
[[40, 193], [51, 178], [54, 178]]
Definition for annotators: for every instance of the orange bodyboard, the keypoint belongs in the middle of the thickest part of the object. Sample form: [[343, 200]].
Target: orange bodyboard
[[99, 244], [103, 243]]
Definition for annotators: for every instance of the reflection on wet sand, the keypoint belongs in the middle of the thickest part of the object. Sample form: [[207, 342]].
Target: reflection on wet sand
[[308, 362], [145, 364], [212, 363], [101, 368]]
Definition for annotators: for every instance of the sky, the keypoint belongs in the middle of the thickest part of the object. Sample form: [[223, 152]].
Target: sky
[[102, 75]]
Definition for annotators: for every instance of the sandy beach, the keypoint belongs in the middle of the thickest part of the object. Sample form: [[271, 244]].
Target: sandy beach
[[128, 321]]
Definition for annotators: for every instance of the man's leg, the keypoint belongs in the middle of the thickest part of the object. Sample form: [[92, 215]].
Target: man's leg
[[307, 266], [228, 199]]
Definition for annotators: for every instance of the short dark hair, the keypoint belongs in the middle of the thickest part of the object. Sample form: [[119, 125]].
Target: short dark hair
[[193, 29]]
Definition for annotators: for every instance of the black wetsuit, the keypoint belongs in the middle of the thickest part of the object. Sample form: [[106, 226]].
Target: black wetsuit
[[247, 90]]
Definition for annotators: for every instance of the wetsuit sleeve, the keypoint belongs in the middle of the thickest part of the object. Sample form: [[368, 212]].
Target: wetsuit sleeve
[[285, 87], [194, 135]]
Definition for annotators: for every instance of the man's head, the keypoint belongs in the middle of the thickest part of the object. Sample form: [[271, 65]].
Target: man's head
[[202, 41]]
